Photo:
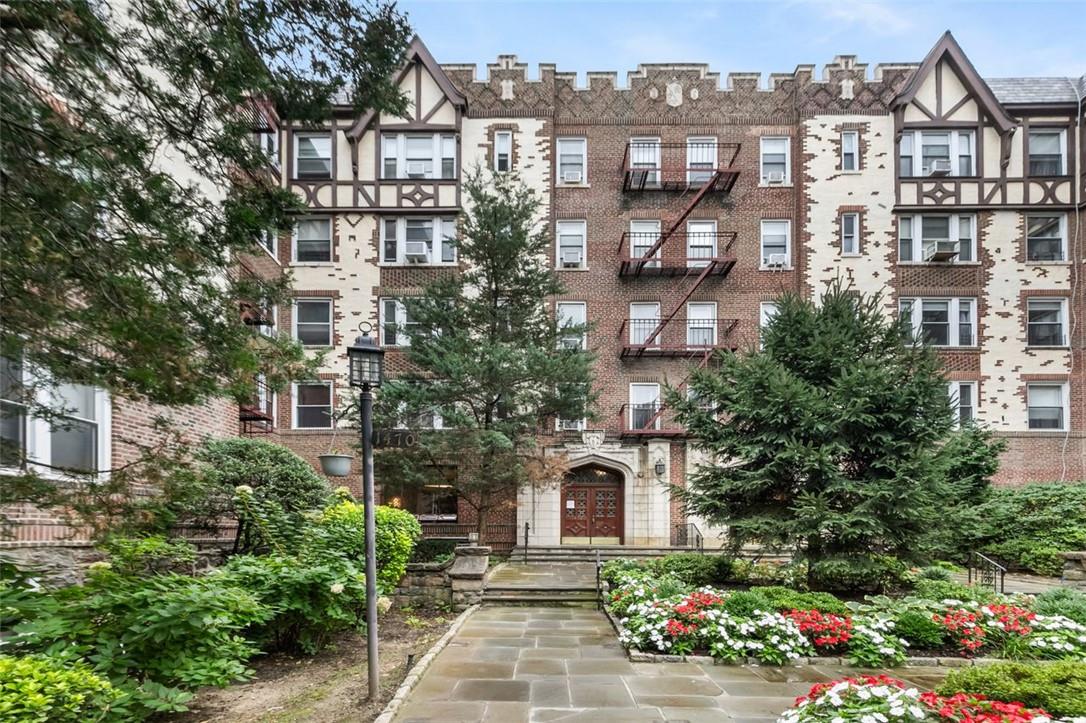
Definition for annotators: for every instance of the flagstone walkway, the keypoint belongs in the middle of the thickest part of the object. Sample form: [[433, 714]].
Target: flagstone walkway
[[537, 665]]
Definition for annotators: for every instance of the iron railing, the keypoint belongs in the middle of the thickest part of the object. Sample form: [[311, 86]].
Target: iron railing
[[688, 535], [678, 336], [500, 537], [257, 414], [527, 527], [682, 253], [986, 572], [649, 165], [599, 581], [649, 419]]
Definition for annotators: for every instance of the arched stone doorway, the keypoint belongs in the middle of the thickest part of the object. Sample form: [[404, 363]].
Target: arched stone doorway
[[593, 509]]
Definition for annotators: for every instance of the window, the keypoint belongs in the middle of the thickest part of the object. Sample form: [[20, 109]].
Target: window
[[850, 234], [644, 406], [1046, 322], [1047, 405], [963, 399], [411, 240], [645, 159], [12, 414], [850, 156], [775, 244], [767, 311], [268, 142], [313, 405], [571, 244], [643, 236], [775, 161], [937, 239], [424, 419], [578, 392], [1045, 238], [700, 324], [941, 153], [421, 156], [572, 161], [572, 314], [269, 239], [313, 321], [312, 155], [313, 240], [395, 323], [644, 317], [503, 151], [700, 243], [700, 159], [1046, 153], [941, 322]]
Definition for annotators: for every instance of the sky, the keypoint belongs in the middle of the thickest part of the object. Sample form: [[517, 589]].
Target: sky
[[1002, 39]]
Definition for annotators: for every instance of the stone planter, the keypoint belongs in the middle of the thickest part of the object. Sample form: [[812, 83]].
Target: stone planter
[[336, 465]]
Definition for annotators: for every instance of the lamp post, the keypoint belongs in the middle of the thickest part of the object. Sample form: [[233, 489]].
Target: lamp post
[[366, 369]]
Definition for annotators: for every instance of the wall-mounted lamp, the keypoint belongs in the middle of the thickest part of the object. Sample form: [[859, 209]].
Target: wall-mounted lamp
[[660, 467]]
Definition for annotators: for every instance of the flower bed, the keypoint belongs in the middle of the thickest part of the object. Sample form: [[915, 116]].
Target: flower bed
[[879, 699]]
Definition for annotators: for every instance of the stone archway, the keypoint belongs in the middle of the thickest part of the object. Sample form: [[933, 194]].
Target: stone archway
[[593, 506]]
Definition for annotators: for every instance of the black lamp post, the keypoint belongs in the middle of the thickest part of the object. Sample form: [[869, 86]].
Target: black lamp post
[[366, 369]]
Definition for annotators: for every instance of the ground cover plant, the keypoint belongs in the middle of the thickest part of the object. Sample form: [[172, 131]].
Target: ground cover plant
[[1059, 688]]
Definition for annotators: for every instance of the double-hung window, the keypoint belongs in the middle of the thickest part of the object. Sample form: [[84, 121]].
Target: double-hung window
[[313, 405], [701, 158], [1045, 237], [850, 151], [1047, 406], [643, 236], [701, 324], [269, 239], [313, 240], [503, 151], [418, 156], [644, 406], [395, 323], [418, 240], [963, 399], [645, 160], [572, 316], [312, 155], [572, 161], [775, 163], [644, 318], [947, 322], [12, 413], [1046, 152], [935, 239], [571, 247], [313, 322], [1046, 322], [776, 244], [700, 243], [937, 153], [268, 142], [573, 391], [850, 234]]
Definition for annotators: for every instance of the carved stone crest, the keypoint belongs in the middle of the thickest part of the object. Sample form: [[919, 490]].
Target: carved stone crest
[[654, 93], [847, 85], [673, 94], [592, 440], [507, 89], [694, 94]]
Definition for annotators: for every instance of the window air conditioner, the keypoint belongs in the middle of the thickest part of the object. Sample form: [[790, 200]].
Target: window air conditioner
[[940, 250], [570, 425], [571, 177], [416, 168], [775, 177], [777, 260], [416, 251], [571, 257], [940, 167]]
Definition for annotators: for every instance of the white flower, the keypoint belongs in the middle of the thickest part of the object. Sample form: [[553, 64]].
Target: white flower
[[243, 490], [336, 588]]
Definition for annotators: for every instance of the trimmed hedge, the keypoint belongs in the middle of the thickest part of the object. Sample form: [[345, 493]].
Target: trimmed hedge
[[1058, 688]]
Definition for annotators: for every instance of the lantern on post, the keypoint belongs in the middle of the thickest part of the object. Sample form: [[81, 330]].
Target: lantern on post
[[367, 362]]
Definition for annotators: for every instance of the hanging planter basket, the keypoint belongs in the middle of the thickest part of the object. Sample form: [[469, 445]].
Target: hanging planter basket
[[336, 465]]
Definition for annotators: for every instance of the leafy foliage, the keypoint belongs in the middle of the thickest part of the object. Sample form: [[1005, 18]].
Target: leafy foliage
[[782, 599], [835, 426], [949, 590], [485, 354], [148, 555], [1058, 688], [920, 630], [691, 568], [38, 688], [1062, 601], [342, 528]]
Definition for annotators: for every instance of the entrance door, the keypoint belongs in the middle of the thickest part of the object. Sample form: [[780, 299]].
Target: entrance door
[[592, 507]]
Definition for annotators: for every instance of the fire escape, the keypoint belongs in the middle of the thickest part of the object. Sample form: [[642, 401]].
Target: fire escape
[[256, 414], [688, 254]]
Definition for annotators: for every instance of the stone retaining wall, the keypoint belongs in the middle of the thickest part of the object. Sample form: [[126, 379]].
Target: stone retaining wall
[[425, 584], [1074, 569]]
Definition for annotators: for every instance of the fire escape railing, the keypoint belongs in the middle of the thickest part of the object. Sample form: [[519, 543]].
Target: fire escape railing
[[648, 419], [697, 250], [257, 413], [655, 166], [689, 336]]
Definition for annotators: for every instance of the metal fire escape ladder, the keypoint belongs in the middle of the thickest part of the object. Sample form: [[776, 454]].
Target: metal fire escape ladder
[[682, 386]]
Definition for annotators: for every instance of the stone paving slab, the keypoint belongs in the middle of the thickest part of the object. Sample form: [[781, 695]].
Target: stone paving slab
[[543, 665]]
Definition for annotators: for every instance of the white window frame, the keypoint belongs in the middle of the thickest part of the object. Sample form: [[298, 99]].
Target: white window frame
[[1062, 132], [853, 138], [696, 145], [331, 320], [647, 149], [1065, 398], [766, 311], [763, 257], [437, 421], [268, 142], [571, 425], [272, 314], [582, 151], [656, 401], [954, 395], [954, 308], [710, 228], [38, 452], [764, 178], [269, 241], [503, 138], [572, 228], [401, 322], [637, 247], [916, 222], [1063, 238], [439, 142], [634, 339], [447, 224], [855, 217], [327, 135], [331, 402], [696, 323], [1064, 321], [582, 340], [954, 139], [294, 241]]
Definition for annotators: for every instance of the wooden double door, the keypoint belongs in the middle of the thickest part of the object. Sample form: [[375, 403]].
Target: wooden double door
[[592, 507]]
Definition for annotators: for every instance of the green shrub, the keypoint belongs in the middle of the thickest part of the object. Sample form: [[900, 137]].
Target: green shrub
[[870, 573], [744, 603], [271, 470], [919, 629], [933, 572], [765, 573], [1062, 601], [947, 590], [151, 554], [433, 550], [783, 598], [341, 530], [690, 567], [1058, 688], [36, 688], [614, 571]]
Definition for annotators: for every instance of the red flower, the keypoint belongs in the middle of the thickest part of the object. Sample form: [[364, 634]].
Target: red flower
[[824, 630]]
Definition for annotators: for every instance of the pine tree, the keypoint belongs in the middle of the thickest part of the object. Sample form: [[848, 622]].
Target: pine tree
[[827, 441], [486, 355]]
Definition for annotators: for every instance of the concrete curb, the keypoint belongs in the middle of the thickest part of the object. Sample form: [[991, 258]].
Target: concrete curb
[[416, 673]]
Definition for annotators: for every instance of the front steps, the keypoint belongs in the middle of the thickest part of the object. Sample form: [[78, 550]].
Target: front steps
[[541, 596], [587, 553]]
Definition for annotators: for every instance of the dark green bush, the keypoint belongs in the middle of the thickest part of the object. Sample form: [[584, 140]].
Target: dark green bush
[[433, 550], [271, 470], [1058, 688], [919, 629], [946, 590], [148, 555], [859, 573], [341, 530], [745, 602], [1062, 601], [783, 598], [933, 572], [690, 567], [37, 688]]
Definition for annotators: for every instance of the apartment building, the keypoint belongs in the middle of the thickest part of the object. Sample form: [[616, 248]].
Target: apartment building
[[682, 204]]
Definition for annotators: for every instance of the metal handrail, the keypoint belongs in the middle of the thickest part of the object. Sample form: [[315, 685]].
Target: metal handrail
[[526, 528], [599, 581], [722, 242], [988, 571]]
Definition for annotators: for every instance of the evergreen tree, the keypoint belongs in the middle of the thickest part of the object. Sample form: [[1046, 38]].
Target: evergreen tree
[[485, 354], [828, 440]]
